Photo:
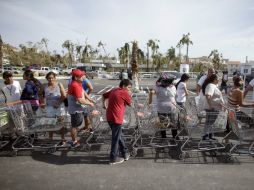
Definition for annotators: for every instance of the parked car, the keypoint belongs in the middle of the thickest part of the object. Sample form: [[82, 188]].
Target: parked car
[[66, 71], [89, 73], [56, 70], [14, 70], [41, 71]]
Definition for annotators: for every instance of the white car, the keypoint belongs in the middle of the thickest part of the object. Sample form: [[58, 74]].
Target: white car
[[56, 70], [67, 71]]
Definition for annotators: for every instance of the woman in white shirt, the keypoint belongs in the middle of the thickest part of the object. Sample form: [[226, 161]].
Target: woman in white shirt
[[166, 93], [11, 88], [182, 91], [213, 104], [12, 92]]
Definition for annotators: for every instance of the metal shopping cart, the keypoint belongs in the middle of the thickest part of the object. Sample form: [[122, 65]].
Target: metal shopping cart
[[241, 135], [31, 128]]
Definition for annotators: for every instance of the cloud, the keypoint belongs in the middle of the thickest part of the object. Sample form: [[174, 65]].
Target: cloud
[[214, 24]]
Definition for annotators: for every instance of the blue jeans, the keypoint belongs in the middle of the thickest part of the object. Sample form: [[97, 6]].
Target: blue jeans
[[117, 144]]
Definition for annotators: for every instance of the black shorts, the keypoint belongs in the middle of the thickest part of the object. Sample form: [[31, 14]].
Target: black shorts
[[77, 119]]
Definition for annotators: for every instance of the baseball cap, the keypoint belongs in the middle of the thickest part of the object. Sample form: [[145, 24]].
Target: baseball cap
[[77, 73]]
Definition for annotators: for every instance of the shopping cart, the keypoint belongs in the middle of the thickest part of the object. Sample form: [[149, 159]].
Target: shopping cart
[[3, 124], [241, 135], [201, 136], [149, 125], [31, 129]]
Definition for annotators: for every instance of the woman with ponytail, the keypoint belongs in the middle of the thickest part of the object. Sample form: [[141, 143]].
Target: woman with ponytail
[[213, 104], [31, 90], [181, 90]]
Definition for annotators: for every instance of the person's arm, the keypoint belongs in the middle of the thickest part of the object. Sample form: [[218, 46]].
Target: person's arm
[[42, 96], [127, 99], [62, 91], [151, 97], [78, 94], [63, 96], [186, 91], [104, 99], [90, 88], [209, 91], [240, 100], [249, 88], [209, 101]]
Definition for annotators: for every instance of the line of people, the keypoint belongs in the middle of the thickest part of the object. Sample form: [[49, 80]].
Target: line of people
[[52, 97]]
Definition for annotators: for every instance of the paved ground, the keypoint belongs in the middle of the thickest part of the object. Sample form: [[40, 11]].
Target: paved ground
[[149, 170]]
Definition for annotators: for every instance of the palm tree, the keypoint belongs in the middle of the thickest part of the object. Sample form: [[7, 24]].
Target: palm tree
[[134, 64], [86, 54], [141, 56], [179, 46], [126, 49], [153, 44], [186, 40], [216, 59], [78, 52], [44, 41], [171, 55], [100, 44], [69, 46]]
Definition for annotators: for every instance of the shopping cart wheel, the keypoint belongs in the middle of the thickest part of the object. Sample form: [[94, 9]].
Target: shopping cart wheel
[[51, 150], [87, 148], [14, 153], [229, 159], [134, 152], [183, 155]]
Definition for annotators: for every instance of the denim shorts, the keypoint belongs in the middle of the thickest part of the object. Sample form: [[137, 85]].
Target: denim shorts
[[77, 119]]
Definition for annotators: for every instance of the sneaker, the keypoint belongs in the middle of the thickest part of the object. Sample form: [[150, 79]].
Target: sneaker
[[118, 160], [211, 137], [205, 137], [126, 156], [63, 143], [75, 144]]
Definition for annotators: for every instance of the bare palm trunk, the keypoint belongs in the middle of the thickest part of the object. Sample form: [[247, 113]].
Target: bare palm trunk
[[134, 65], [147, 59], [187, 52]]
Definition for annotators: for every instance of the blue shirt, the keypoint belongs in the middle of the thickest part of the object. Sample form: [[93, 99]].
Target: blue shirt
[[85, 85]]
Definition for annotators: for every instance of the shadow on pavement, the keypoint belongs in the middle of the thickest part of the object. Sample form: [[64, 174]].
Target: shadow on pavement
[[69, 157]]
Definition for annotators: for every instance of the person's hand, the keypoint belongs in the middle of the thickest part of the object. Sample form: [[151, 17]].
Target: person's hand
[[56, 105], [42, 106], [91, 104]]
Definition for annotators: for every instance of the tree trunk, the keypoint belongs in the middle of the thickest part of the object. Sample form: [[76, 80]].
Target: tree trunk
[[135, 82], [147, 60], [187, 52]]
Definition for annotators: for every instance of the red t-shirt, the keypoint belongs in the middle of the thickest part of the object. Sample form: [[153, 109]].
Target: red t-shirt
[[117, 100], [75, 89]]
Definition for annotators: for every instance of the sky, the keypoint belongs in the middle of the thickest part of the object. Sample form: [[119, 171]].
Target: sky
[[225, 25]]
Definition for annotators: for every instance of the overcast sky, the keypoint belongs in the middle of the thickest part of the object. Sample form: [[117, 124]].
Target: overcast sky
[[226, 25]]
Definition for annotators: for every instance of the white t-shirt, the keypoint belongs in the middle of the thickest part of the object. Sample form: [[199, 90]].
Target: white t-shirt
[[252, 84], [165, 98], [181, 95], [216, 96], [200, 83], [12, 91]]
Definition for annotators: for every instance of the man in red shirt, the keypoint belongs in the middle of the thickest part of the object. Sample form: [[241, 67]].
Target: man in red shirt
[[76, 102], [117, 100]]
